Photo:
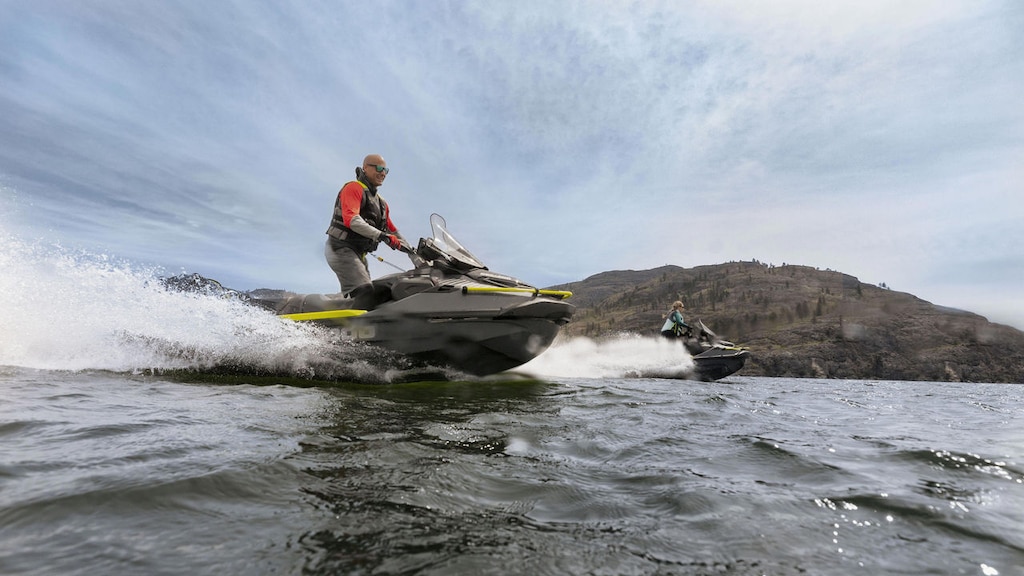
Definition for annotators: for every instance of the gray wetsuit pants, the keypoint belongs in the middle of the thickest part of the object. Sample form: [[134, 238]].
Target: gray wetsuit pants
[[349, 266]]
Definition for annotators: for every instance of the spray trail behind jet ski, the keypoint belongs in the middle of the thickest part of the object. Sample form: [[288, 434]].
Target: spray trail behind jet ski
[[63, 310], [621, 356]]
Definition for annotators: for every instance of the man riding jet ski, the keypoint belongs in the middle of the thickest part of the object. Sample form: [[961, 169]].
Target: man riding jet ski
[[450, 310]]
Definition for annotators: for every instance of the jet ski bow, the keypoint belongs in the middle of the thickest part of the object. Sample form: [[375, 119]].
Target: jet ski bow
[[713, 357]]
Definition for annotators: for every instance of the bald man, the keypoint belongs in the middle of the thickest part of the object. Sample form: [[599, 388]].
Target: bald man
[[360, 221]]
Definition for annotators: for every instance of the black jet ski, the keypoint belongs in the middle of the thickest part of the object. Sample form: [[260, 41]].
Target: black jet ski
[[449, 310], [713, 357]]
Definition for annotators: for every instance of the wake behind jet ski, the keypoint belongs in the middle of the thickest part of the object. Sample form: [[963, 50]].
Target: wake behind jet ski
[[450, 310]]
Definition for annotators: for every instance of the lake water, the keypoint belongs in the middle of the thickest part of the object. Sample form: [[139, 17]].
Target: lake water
[[149, 432], [105, 473]]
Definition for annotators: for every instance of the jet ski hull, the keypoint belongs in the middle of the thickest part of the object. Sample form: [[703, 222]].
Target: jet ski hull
[[479, 347], [708, 366], [717, 363], [479, 334]]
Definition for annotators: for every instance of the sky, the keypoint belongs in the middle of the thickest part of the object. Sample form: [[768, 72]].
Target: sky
[[559, 139]]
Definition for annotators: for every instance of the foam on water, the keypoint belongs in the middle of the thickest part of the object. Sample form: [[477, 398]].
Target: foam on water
[[622, 356], [62, 310]]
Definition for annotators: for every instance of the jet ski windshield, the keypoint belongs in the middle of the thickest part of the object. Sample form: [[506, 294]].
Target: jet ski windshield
[[446, 243]]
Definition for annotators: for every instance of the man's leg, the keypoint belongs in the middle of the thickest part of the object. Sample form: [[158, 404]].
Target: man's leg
[[350, 268]]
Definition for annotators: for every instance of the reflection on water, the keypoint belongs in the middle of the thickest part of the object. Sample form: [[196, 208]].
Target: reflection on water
[[630, 477], [107, 473]]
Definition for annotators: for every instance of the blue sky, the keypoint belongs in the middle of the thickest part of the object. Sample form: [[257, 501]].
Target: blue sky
[[559, 139]]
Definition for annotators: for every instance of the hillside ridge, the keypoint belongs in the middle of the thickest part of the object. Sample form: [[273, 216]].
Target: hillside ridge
[[799, 321]]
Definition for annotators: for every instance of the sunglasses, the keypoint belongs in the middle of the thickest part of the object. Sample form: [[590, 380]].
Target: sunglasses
[[381, 169]]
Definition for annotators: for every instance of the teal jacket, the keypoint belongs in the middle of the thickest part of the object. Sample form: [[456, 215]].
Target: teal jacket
[[675, 323]]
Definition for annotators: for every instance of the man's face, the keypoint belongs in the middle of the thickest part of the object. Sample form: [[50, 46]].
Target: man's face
[[376, 170]]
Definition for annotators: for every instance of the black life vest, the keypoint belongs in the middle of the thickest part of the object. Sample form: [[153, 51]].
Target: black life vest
[[373, 210]]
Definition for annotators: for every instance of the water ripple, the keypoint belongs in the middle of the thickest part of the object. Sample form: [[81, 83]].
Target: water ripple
[[106, 473]]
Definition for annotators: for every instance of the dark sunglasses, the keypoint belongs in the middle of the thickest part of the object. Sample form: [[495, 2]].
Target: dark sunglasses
[[383, 169]]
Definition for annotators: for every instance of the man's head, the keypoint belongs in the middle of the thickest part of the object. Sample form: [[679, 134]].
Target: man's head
[[375, 169]]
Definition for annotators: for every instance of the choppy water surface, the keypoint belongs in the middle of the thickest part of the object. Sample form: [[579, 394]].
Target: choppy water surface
[[108, 465], [108, 473]]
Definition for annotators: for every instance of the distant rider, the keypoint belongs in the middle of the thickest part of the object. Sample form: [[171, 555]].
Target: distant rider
[[360, 221], [674, 326]]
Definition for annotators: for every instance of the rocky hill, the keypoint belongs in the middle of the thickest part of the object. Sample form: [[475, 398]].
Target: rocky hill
[[803, 322]]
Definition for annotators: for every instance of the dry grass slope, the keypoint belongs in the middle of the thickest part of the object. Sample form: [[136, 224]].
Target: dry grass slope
[[799, 321]]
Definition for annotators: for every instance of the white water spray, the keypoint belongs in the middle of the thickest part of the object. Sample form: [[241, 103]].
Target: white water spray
[[620, 356], [77, 311]]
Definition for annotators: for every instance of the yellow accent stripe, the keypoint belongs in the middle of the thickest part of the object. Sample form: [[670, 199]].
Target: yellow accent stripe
[[563, 294], [325, 315]]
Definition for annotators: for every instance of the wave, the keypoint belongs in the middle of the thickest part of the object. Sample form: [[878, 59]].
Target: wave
[[77, 311]]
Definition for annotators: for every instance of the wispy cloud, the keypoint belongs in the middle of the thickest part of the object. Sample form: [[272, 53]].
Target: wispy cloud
[[563, 138]]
